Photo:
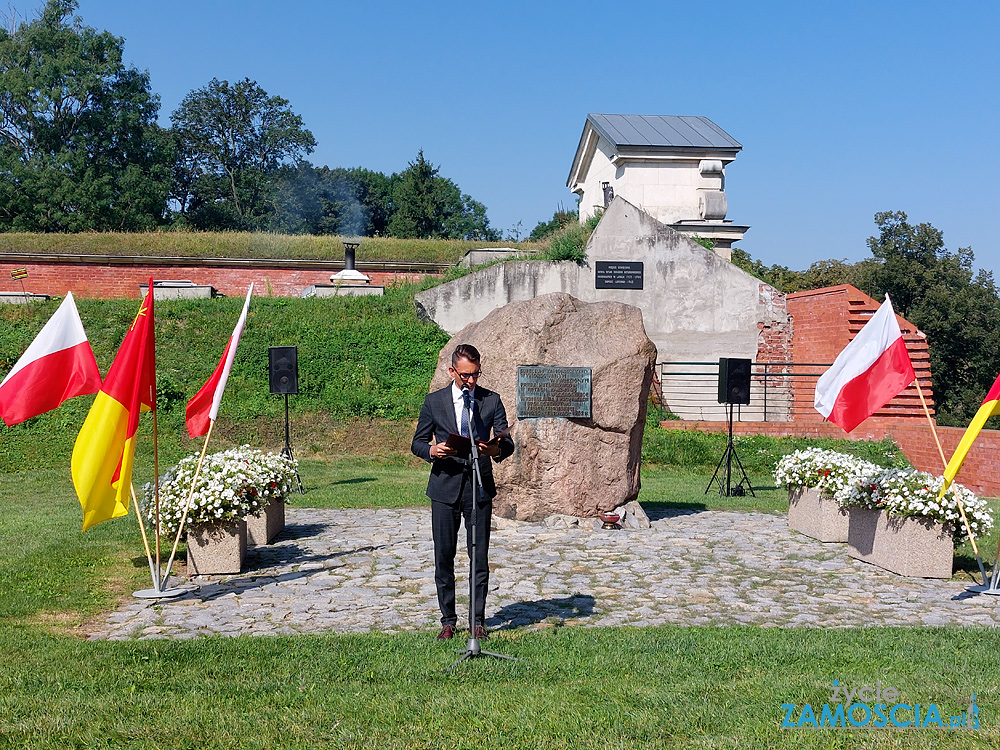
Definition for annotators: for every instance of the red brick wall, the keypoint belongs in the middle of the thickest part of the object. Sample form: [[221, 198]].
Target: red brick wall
[[980, 472], [122, 279], [826, 320]]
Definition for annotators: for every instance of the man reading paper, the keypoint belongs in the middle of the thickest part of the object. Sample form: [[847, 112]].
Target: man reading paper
[[450, 483]]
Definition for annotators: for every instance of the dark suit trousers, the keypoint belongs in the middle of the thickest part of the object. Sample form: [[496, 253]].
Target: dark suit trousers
[[445, 521]]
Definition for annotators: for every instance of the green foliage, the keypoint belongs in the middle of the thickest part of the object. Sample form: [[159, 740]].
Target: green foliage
[[570, 242], [560, 219], [233, 139], [349, 202], [705, 242], [428, 205], [820, 274], [80, 149]]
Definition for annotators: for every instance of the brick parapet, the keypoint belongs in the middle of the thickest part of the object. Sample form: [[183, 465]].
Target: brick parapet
[[827, 320], [120, 277]]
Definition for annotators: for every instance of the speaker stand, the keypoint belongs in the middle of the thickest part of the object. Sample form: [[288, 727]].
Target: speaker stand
[[287, 450], [726, 488]]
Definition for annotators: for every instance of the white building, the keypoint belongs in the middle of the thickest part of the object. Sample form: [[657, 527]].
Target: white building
[[672, 167]]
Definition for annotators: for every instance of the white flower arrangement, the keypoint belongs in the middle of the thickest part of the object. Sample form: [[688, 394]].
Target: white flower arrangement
[[233, 484], [828, 471], [908, 492], [900, 492]]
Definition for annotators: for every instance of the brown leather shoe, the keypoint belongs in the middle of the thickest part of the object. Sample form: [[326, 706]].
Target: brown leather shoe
[[481, 633], [447, 633]]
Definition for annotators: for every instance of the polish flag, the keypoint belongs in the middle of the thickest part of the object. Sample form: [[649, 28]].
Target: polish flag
[[871, 370], [58, 365], [203, 408]]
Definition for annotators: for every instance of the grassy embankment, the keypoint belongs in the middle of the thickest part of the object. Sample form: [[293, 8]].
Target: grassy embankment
[[245, 245], [364, 366]]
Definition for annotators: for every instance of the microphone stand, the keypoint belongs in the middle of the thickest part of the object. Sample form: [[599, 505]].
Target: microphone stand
[[473, 648]]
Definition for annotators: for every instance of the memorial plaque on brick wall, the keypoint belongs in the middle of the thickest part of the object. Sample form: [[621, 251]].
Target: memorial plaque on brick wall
[[544, 391], [618, 274]]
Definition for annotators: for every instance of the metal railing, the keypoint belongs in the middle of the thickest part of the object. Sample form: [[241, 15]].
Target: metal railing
[[779, 391]]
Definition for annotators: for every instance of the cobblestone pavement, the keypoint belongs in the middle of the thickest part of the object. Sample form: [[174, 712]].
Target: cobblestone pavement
[[356, 571]]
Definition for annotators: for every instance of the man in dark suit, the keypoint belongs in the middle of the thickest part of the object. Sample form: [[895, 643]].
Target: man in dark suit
[[450, 484]]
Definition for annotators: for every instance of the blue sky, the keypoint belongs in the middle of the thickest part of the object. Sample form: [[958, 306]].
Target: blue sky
[[843, 109]]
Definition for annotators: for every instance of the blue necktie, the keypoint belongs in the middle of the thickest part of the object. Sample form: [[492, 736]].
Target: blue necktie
[[465, 413]]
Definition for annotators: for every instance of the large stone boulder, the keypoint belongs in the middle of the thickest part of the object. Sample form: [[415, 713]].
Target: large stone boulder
[[575, 467]]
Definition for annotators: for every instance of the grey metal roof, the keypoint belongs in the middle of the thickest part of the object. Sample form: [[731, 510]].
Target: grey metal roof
[[667, 131]]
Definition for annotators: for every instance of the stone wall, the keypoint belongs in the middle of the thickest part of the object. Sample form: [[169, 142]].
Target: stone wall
[[695, 305]]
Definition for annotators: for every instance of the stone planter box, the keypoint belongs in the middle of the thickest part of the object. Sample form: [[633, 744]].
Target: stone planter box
[[264, 528], [816, 514], [908, 546], [217, 549]]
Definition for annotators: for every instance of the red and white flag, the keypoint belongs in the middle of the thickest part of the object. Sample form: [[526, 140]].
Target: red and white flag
[[59, 364], [203, 408], [871, 371]]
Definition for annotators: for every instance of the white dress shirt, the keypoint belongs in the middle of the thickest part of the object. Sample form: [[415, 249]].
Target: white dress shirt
[[459, 403]]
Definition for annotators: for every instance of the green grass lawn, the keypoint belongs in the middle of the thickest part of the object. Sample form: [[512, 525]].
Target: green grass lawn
[[575, 687]]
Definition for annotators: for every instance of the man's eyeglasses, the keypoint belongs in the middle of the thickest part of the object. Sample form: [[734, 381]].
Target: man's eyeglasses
[[469, 375]]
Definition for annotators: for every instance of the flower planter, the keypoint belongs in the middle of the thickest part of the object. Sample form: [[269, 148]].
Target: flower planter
[[816, 514], [909, 546], [216, 549], [264, 528]]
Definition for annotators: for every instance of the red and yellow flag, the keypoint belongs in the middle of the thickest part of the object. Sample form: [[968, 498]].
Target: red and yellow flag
[[105, 447], [990, 407]]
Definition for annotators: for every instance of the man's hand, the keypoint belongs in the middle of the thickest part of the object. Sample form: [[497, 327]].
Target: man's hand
[[441, 450], [488, 449]]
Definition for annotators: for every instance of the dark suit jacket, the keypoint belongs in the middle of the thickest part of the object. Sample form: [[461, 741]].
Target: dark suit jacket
[[437, 419]]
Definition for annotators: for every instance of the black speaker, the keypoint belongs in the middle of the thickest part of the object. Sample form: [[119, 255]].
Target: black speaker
[[283, 369], [734, 381]]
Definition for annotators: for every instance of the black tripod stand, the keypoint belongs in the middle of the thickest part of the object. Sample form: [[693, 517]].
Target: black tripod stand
[[726, 488], [287, 450], [473, 648]]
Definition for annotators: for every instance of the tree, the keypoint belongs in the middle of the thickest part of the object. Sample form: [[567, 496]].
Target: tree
[[79, 145], [937, 291], [234, 139], [320, 200], [560, 218], [427, 205]]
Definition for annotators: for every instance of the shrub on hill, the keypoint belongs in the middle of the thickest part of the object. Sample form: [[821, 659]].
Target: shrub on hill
[[363, 357]]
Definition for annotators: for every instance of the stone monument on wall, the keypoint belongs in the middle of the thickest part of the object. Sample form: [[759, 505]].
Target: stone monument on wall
[[575, 466], [696, 306]]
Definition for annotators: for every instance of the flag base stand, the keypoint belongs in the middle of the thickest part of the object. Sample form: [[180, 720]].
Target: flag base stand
[[160, 593], [993, 588]]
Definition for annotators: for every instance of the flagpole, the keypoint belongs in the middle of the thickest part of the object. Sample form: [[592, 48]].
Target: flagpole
[[944, 461], [156, 487], [142, 529], [187, 505]]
